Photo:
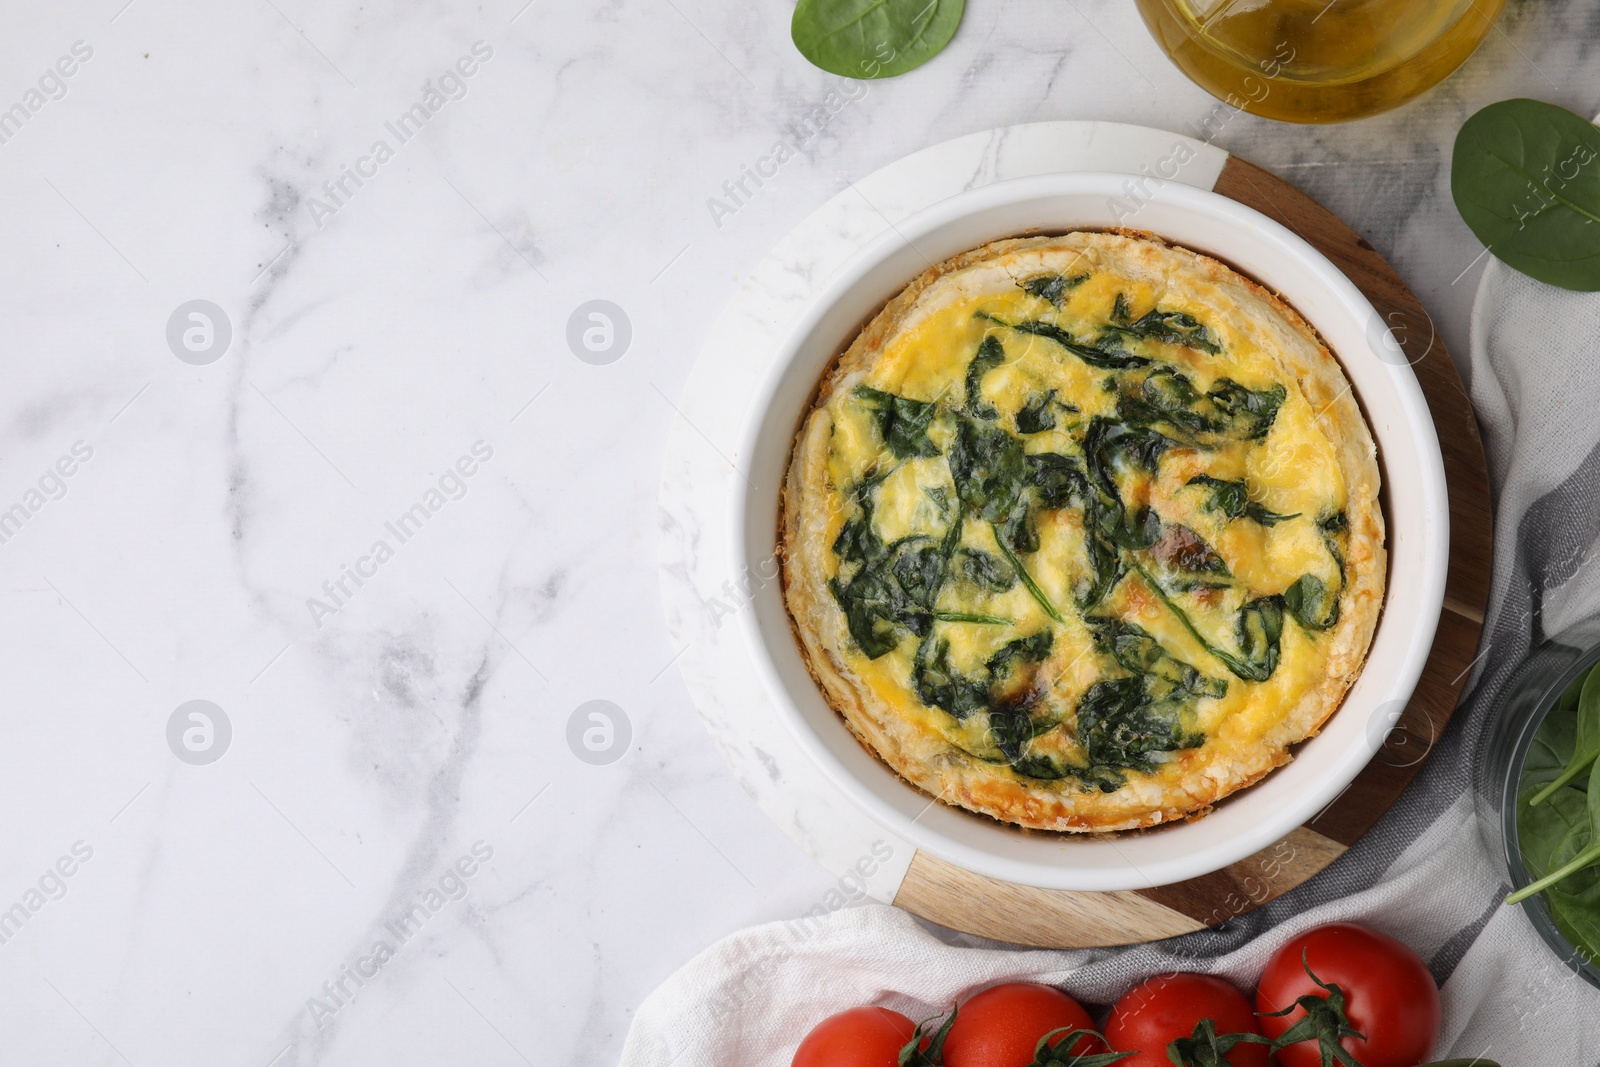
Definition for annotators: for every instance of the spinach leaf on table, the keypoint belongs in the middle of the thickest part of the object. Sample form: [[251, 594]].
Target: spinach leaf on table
[[867, 39], [1525, 179]]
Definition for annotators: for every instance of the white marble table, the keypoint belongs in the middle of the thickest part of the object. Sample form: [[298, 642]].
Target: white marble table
[[397, 532]]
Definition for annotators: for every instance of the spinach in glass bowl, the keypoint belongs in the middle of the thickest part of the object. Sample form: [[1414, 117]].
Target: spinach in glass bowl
[[1537, 780], [1558, 814]]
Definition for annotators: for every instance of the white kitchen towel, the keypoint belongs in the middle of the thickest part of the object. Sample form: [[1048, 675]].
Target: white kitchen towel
[[1423, 874]]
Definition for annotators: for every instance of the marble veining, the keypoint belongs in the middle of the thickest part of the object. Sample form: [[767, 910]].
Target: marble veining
[[221, 908]]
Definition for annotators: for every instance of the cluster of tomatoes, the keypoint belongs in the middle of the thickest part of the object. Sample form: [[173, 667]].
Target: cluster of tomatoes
[[1340, 993]]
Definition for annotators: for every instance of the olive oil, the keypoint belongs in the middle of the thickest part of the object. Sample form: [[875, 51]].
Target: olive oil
[[1318, 60]]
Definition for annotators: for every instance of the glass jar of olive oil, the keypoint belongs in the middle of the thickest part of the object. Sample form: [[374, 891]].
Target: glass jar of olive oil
[[1318, 60]]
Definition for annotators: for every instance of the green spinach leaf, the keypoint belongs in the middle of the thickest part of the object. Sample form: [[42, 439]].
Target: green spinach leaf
[[1586, 744], [1541, 830], [893, 587], [1568, 700], [1171, 327], [1579, 924], [939, 685], [1031, 649], [1121, 311], [1579, 890], [1524, 178], [989, 356], [1167, 401], [858, 542], [878, 611], [1258, 630], [1575, 885], [873, 38], [1312, 603], [1251, 412], [1232, 498], [1121, 725], [1560, 836], [919, 568], [1057, 480], [1036, 415], [1100, 358], [988, 573], [1106, 569], [1027, 579], [1053, 287], [988, 467], [1139, 653], [1553, 744], [903, 424], [1109, 445]]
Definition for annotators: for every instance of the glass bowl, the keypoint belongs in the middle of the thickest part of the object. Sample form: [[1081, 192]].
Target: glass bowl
[[1527, 698]]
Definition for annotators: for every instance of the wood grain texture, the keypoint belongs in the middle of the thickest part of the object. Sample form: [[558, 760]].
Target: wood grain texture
[[1047, 918], [957, 898]]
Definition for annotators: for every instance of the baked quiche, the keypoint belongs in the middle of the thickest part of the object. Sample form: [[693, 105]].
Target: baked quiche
[[1083, 532]]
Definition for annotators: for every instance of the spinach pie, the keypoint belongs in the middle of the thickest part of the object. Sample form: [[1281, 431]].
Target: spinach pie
[[1083, 532]]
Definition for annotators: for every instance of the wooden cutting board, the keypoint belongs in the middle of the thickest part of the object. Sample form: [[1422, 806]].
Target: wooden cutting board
[[957, 898]]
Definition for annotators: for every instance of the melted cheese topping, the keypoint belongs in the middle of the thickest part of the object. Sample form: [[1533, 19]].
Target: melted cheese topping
[[1211, 565]]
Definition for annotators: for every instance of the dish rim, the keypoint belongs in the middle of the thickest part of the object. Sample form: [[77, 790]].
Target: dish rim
[[1240, 235]]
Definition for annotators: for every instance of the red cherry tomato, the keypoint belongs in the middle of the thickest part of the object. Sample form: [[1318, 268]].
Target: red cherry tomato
[[1167, 1007], [860, 1037], [1001, 1027], [1390, 996]]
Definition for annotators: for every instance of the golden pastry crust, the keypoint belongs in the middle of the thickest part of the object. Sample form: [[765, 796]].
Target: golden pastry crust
[[1317, 455]]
